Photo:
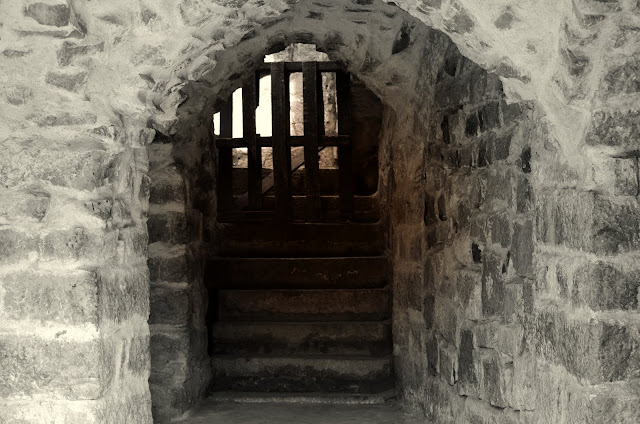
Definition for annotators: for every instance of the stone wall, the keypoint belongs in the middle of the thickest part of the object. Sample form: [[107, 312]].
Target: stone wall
[[514, 291], [87, 84]]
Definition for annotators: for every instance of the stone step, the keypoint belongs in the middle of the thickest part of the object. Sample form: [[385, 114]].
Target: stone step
[[253, 239], [304, 305], [302, 374], [365, 209], [387, 397], [302, 339], [288, 273]]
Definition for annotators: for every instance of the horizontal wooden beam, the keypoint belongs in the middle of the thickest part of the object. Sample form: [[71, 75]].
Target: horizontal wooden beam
[[265, 68], [293, 141]]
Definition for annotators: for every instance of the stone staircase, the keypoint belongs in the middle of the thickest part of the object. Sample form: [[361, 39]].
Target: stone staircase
[[301, 310]]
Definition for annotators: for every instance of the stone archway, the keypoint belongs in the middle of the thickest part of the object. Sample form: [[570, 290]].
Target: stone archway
[[452, 164]]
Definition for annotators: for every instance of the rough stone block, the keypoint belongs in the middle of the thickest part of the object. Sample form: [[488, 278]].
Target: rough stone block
[[499, 148], [124, 293], [593, 350], [170, 305], [139, 355], [604, 286], [615, 128], [18, 95], [62, 119], [489, 118], [16, 246], [614, 403], [503, 338], [81, 163], [169, 353], [25, 205], [78, 244], [469, 289], [499, 188], [168, 263], [68, 81], [70, 50], [49, 14], [58, 368], [448, 319], [468, 372], [501, 227], [493, 281], [66, 298], [448, 362], [168, 227], [524, 195], [135, 242], [622, 78], [522, 247], [497, 379], [618, 176], [166, 187], [589, 221]]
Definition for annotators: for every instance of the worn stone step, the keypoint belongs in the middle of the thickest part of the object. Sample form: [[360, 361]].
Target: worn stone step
[[304, 338], [287, 273], [365, 209], [253, 239], [304, 305], [302, 374], [387, 397]]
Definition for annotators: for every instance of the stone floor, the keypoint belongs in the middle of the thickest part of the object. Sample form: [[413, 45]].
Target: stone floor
[[215, 412]]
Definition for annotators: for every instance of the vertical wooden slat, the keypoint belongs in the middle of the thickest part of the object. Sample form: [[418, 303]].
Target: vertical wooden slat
[[249, 102], [225, 159], [280, 130], [345, 153], [310, 94]]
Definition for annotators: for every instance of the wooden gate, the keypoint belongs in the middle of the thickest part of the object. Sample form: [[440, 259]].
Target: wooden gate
[[250, 205]]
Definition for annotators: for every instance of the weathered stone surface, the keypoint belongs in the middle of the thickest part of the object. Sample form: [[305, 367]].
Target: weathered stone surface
[[70, 50], [622, 79], [19, 95], [595, 350], [522, 248], [615, 128], [170, 306], [497, 376], [167, 263], [65, 298], [63, 119], [493, 281], [123, 292], [604, 286], [170, 352], [78, 244], [80, 163], [29, 204], [49, 14], [589, 221], [168, 227], [59, 368], [67, 81]]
